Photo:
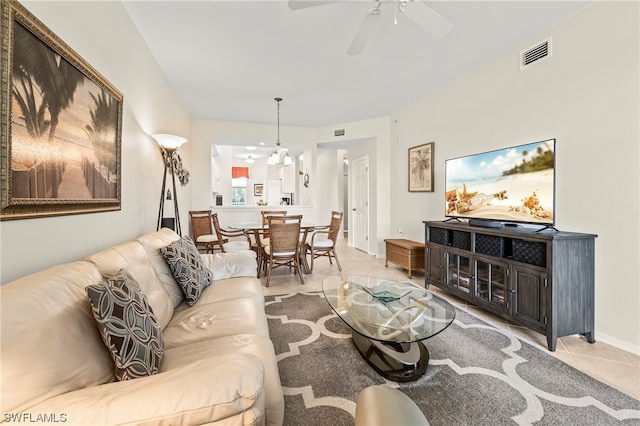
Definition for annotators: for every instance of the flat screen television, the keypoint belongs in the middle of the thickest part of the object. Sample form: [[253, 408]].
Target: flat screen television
[[510, 185]]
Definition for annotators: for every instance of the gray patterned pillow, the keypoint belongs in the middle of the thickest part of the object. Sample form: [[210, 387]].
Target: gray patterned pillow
[[128, 326], [186, 265]]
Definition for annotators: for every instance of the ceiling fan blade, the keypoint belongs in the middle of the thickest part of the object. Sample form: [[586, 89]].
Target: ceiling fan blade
[[364, 33], [304, 4], [428, 19]]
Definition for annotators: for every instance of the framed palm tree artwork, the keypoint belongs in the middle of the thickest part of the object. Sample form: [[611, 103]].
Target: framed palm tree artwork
[[61, 125], [421, 168]]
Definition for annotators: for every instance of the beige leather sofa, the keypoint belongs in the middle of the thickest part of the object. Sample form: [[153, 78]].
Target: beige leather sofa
[[219, 365]]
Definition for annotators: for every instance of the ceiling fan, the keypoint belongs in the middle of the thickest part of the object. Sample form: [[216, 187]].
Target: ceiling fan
[[416, 10]]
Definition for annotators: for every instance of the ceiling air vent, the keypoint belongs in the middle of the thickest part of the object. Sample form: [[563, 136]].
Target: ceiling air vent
[[535, 53], [338, 132]]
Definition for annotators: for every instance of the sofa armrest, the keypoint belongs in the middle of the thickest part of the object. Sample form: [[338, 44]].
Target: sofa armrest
[[231, 265], [199, 392]]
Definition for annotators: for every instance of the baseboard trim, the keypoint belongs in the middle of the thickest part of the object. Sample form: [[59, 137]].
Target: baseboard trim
[[620, 344]]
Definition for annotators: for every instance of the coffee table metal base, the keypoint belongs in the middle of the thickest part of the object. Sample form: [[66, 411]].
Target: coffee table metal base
[[399, 362]]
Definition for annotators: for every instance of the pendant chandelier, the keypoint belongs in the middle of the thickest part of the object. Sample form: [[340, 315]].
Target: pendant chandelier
[[278, 153]]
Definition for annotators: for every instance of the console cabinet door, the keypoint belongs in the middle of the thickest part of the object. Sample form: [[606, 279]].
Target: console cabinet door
[[436, 262], [529, 296], [491, 283], [459, 272]]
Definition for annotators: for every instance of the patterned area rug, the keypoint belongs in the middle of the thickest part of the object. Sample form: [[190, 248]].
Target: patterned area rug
[[477, 375]]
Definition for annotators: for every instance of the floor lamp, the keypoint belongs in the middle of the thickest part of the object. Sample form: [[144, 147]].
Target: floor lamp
[[169, 145]]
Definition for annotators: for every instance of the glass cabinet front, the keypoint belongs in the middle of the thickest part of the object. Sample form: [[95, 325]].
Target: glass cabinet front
[[491, 282], [458, 272]]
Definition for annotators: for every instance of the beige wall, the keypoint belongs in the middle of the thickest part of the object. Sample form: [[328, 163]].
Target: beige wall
[[587, 96], [103, 34]]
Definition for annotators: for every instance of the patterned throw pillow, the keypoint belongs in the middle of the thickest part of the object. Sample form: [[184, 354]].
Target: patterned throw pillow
[[128, 326], [187, 267]]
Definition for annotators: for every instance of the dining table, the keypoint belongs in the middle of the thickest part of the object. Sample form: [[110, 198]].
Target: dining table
[[258, 228]]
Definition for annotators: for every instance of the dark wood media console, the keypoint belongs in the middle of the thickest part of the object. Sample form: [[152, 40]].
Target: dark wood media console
[[541, 280]]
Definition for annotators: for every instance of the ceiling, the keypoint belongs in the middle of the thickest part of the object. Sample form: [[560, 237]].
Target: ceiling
[[228, 60]]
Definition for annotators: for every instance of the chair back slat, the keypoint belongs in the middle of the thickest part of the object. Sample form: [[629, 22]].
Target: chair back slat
[[216, 226], [267, 213], [284, 233], [284, 243], [201, 226], [334, 226], [200, 223]]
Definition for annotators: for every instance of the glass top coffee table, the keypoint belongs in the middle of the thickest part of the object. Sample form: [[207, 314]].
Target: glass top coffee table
[[389, 320]]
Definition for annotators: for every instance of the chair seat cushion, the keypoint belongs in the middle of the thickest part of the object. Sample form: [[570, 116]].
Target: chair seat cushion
[[207, 239], [323, 243], [233, 246], [267, 250]]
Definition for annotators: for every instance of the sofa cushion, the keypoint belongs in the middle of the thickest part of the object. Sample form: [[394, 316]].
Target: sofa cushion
[[127, 326], [186, 264], [206, 321], [152, 243], [49, 344], [236, 346], [233, 288], [224, 390], [132, 258], [229, 265]]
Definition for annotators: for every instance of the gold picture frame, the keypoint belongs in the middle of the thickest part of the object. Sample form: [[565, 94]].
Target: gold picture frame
[[421, 168], [61, 125]]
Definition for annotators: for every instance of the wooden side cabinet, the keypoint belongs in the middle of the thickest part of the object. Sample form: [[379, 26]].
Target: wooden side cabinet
[[541, 280], [405, 253]]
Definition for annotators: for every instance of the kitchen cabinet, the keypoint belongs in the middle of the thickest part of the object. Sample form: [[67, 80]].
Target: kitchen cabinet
[[288, 178]]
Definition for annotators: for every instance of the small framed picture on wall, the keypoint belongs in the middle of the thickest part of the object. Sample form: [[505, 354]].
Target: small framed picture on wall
[[258, 189], [421, 168]]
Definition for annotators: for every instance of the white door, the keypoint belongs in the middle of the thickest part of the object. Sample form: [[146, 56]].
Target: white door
[[360, 205]]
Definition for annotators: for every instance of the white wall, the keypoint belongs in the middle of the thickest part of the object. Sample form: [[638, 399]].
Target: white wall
[[103, 34], [375, 144], [208, 132], [328, 181], [587, 96]]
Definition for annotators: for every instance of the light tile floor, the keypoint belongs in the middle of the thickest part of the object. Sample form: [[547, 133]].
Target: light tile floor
[[615, 367]]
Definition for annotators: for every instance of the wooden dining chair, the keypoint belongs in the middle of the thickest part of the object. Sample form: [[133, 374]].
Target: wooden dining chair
[[323, 241], [202, 231], [226, 244], [267, 213], [265, 221], [284, 244]]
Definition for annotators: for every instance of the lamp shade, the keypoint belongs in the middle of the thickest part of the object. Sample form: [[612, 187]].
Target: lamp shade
[[274, 157], [169, 142], [286, 159]]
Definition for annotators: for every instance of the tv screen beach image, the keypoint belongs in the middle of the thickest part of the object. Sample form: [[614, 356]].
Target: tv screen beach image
[[513, 184]]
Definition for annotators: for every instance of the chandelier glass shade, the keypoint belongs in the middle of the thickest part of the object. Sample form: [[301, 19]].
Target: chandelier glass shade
[[286, 159], [274, 157]]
